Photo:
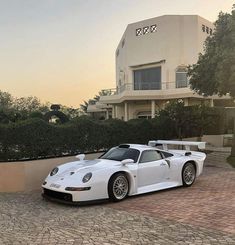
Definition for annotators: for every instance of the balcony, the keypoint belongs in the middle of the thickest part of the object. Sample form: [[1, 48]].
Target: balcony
[[96, 106], [150, 91], [129, 86]]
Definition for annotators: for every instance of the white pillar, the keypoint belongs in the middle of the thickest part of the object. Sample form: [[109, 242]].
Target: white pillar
[[186, 102], [113, 111], [125, 111], [107, 114], [211, 103], [153, 109]]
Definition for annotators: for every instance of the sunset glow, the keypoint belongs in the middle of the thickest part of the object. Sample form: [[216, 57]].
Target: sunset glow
[[63, 51]]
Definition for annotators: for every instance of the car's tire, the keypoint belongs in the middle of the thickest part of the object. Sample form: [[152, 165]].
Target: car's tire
[[118, 187], [188, 174]]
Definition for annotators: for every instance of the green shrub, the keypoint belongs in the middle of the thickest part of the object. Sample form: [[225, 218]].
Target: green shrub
[[35, 138], [231, 161]]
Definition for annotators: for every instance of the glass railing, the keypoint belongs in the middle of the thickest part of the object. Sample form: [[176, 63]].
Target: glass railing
[[143, 86], [108, 92]]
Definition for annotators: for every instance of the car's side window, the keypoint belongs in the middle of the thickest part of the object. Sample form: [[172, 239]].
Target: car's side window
[[166, 154], [150, 156]]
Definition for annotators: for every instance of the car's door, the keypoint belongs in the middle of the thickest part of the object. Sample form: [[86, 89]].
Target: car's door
[[152, 168]]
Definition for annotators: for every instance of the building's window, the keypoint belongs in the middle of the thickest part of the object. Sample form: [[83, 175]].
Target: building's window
[[144, 115], [146, 30], [117, 53], [138, 32], [181, 78], [153, 28], [203, 28], [123, 43], [211, 32], [147, 79], [207, 30]]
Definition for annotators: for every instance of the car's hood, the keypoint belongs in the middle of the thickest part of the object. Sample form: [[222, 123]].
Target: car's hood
[[85, 166]]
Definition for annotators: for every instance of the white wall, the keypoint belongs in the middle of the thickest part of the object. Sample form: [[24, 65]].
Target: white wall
[[29, 175], [178, 40]]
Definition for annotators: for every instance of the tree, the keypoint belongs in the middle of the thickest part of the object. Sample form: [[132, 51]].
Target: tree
[[187, 121], [214, 73], [96, 98], [6, 100], [175, 111], [85, 104], [14, 109], [71, 112], [29, 104]]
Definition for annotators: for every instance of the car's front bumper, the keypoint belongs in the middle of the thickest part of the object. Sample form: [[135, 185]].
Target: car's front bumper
[[66, 198]]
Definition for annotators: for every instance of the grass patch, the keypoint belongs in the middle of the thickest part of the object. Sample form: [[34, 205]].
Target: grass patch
[[231, 161]]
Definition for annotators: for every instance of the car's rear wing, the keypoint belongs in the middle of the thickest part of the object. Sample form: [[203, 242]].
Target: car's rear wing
[[187, 144]]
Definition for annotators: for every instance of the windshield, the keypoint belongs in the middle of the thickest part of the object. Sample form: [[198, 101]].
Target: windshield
[[119, 154]]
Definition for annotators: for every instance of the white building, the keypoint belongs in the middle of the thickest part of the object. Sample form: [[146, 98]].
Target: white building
[[151, 65]]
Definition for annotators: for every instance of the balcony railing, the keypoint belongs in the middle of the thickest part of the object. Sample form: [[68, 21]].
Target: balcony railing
[[107, 92], [149, 86]]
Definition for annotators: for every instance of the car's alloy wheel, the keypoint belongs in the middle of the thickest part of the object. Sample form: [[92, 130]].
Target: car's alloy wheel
[[188, 174], [118, 187]]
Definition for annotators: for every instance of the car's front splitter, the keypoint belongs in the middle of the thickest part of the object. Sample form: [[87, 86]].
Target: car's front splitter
[[70, 202]]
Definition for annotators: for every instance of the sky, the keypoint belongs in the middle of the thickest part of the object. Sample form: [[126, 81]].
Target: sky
[[63, 51]]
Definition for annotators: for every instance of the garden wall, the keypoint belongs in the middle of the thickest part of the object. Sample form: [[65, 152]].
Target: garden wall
[[221, 140], [29, 175]]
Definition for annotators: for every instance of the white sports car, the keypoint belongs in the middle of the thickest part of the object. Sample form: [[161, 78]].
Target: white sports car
[[125, 170]]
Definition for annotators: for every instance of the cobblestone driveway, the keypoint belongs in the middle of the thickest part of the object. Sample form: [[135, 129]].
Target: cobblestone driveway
[[201, 214]]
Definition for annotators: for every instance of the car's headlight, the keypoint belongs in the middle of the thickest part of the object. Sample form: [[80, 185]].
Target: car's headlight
[[86, 177], [54, 171]]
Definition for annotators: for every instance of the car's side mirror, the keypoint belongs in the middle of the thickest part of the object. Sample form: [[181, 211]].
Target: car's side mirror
[[127, 161], [80, 157]]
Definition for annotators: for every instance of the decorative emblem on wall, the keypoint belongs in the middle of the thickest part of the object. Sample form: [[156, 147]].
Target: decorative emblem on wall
[[207, 29], [153, 28], [139, 32], [145, 30]]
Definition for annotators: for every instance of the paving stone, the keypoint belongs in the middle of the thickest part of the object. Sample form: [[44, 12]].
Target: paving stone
[[202, 214], [209, 203]]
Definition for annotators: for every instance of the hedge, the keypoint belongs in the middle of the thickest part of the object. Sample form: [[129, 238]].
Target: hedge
[[35, 138]]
